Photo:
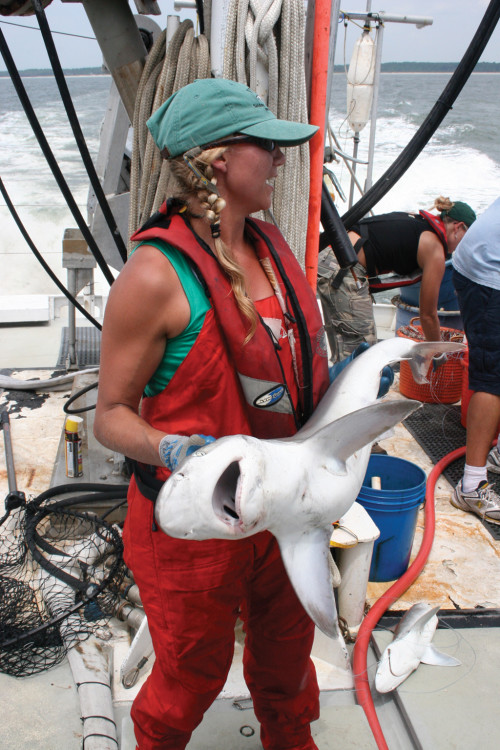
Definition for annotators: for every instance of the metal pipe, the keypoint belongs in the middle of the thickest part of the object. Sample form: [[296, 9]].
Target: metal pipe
[[353, 170], [373, 114], [72, 288], [15, 498], [9, 456], [419, 21]]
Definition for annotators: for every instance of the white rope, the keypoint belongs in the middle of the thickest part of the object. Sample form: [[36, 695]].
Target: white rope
[[251, 33], [253, 27], [165, 72]]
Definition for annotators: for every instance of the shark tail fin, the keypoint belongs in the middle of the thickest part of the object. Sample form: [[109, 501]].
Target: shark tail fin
[[422, 354]]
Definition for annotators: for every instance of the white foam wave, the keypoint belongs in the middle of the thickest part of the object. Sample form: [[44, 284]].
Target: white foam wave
[[438, 170]]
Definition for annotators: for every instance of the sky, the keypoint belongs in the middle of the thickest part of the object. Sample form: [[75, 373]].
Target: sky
[[454, 24]]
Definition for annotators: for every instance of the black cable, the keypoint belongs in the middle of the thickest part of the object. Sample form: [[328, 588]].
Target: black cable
[[75, 126], [40, 258], [334, 232], [50, 158], [61, 489], [432, 121], [117, 492], [39, 513], [201, 16], [112, 509], [77, 395]]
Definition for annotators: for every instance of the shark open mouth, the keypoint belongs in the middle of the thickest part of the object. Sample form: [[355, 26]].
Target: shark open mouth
[[225, 493]]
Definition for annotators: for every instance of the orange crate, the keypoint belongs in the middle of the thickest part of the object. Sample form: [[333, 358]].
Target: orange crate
[[445, 384]]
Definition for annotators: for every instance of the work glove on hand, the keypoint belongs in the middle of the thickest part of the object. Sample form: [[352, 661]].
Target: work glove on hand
[[386, 378], [174, 449]]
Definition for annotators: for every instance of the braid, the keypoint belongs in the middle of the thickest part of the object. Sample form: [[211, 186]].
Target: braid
[[212, 204]]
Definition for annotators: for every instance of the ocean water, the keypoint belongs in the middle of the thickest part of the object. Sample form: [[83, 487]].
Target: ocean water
[[462, 160], [29, 180]]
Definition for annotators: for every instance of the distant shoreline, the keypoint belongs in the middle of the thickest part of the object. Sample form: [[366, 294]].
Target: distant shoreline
[[390, 67]]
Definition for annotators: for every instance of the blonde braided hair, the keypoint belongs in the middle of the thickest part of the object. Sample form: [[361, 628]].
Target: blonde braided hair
[[443, 204], [191, 186]]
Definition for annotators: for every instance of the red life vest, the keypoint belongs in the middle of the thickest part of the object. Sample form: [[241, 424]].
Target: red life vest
[[224, 387], [437, 225]]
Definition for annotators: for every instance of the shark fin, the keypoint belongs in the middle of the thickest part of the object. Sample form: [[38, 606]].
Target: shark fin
[[307, 565], [422, 354], [352, 432], [436, 658]]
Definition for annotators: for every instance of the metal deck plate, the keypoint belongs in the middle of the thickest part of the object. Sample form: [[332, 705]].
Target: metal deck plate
[[438, 430], [88, 346]]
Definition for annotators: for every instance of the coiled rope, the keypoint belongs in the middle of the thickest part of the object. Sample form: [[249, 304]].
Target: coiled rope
[[165, 71], [251, 34], [253, 26]]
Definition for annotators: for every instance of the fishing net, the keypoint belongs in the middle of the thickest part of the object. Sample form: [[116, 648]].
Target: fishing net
[[60, 573]]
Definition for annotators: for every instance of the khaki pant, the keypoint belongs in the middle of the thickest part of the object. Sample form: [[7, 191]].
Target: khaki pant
[[348, 311]]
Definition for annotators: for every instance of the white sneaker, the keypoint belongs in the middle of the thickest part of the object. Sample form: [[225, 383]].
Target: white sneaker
[[493, 461], [482, 501]]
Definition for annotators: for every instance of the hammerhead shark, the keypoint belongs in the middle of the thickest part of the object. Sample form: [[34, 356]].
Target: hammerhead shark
[[296, 487]]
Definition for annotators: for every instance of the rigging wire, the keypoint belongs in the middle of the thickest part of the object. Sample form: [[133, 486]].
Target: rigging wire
[[51, 160], [62, 33], [432, 121], [77, 131], [41, 259]]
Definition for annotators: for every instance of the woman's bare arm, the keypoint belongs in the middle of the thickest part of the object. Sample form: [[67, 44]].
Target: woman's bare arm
[[146, 307], [430, 258]]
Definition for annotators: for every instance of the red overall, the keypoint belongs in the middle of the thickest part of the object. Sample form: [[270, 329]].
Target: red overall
[[193, 591]]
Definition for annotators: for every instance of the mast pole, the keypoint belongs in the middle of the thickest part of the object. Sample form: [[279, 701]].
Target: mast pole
[[317, 116]]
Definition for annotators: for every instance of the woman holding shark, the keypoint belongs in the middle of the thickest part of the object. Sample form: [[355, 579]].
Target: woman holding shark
[[211, 329]]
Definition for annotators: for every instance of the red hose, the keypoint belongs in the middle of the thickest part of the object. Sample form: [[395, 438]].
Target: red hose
[[359, 663]]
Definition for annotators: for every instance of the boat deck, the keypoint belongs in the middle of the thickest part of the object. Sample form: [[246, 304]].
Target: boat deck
[[438, 708], [444, 708]]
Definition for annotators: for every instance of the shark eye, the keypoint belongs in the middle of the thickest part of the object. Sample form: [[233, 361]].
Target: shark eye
[[223, 500]]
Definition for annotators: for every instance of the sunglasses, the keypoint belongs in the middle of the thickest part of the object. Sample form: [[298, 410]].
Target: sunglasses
[[266, 143]]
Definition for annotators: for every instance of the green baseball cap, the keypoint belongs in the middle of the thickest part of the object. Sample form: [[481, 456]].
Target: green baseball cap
[[212, 108], [460, 212]]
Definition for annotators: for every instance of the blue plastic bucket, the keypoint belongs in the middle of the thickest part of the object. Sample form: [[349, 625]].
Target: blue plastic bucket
[[406, 313], [394, 509]]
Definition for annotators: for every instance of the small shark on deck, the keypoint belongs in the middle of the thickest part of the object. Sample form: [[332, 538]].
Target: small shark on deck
[[296, 487], [410, 647]]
